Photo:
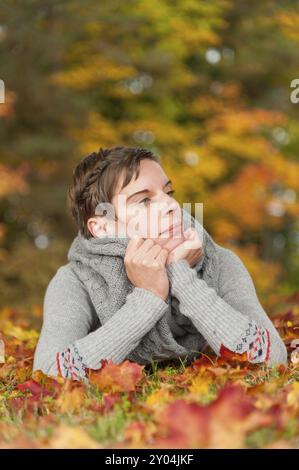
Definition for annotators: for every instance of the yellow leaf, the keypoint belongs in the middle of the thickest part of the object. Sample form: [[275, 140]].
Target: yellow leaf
[[71, 401], [293, 395], [200, 385], [157, 397], [67, 437]]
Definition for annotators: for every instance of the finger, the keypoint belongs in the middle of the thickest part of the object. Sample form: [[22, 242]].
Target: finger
[[189, 233], [154, 252], [162, 257], [133, 245], [143, 249], [170, 242], [192, 234], [193, 241]]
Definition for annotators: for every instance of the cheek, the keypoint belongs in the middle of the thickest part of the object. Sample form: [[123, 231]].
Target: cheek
[[139, 223]]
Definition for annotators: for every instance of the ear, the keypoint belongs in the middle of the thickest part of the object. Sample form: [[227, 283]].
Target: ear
[[97, 226]]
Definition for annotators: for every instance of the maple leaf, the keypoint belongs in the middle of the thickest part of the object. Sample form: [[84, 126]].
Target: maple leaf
[[182, 424], [137, 434], [70, 437], [124, 377], [71, 401], [223, 423], [229, 355]]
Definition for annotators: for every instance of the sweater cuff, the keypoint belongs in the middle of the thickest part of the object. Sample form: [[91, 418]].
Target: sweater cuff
[[149, 297], [179, 272]]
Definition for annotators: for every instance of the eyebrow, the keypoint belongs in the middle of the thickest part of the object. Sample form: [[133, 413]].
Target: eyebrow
[[147, 190]]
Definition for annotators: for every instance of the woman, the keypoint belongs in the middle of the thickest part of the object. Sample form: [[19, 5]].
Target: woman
[[144, 280]]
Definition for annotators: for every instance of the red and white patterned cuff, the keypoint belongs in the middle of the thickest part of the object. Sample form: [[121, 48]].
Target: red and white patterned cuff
[[255, 341], [70, 364]]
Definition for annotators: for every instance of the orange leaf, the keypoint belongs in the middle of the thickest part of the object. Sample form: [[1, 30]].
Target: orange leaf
[[112, 377], [231, 355]]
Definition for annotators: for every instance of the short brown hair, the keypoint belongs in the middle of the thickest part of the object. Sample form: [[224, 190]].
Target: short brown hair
[[96, 177]]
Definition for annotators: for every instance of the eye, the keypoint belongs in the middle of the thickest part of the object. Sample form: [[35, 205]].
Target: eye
[[170, 193], [145, 199]]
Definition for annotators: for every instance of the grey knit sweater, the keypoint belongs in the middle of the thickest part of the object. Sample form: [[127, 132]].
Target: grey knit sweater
[[92, 311]]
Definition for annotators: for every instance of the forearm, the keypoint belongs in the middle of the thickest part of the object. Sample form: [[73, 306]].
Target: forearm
[[113, 340], [223, 326]]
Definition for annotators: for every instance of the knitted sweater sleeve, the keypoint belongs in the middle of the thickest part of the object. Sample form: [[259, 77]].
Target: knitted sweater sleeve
[[234, 320], [67, 345]]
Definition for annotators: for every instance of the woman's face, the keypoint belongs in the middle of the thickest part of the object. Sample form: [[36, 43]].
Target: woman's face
[[146, 207]]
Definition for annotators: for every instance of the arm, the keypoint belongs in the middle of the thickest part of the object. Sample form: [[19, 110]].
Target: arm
[[67, 346], [234, 319]]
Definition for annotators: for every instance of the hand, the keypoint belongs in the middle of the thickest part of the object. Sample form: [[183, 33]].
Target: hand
[[191, 249], [145, 263]]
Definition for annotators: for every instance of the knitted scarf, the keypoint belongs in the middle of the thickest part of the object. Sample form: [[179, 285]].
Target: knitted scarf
[[99, 264]]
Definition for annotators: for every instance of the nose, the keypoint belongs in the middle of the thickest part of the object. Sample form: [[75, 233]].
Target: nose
[[169, 212], [169, 207]]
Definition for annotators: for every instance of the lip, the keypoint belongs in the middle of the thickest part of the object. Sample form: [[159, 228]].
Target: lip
[[171, 228]]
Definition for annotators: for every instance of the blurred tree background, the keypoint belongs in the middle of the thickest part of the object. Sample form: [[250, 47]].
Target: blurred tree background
[[205, 84]]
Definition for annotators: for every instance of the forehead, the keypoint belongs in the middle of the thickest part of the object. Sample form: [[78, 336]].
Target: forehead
[[151, 176]]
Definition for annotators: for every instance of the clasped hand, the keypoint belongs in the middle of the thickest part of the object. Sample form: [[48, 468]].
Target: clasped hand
[[191, 249], [146, 261]]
